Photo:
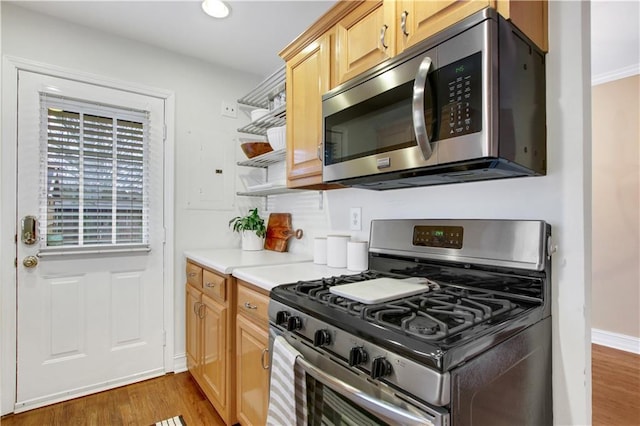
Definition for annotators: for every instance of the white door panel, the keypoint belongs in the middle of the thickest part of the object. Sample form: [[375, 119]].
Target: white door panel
[[92, 320]]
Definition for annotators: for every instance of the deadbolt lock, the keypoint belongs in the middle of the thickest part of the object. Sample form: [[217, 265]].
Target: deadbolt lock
[[29, 230]]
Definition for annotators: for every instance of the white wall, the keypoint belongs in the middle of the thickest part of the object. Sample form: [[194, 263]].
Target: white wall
[[199, 90], [616, 212], [561, 198]]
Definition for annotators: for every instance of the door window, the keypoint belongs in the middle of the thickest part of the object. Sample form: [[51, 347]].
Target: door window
[[95, 183]]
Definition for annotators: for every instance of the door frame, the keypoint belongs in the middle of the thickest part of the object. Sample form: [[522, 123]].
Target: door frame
[[8, 207]]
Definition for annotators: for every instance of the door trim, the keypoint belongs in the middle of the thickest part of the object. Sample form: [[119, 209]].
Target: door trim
[[8, 199]]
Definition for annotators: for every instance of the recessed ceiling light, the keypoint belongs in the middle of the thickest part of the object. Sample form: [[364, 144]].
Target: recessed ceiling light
[[215, 8]]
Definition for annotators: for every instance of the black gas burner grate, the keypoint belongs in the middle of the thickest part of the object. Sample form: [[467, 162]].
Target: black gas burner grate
[[429, 316], [437, 314]]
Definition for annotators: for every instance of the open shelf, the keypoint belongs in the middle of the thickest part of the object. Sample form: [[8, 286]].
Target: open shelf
[[259, 96], [274, 190], [274, 118], [265, 160]]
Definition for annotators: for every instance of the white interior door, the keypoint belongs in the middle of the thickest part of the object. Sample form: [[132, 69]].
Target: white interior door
[[90, 313]]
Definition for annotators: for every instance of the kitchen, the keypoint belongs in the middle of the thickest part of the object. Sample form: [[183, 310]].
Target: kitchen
[[561, 197]]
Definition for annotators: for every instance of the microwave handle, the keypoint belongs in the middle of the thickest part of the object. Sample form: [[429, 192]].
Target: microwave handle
[[419, 123], [383, 409]]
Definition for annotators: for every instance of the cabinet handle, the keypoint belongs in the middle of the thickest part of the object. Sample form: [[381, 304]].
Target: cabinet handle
[[383, 32], [196, 307], [250, 306], [202, 312], [320, 151], [264, 352], [403, 22], [209, 284], [192, 274]]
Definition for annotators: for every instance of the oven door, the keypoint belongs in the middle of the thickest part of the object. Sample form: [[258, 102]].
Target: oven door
[[338, 395]]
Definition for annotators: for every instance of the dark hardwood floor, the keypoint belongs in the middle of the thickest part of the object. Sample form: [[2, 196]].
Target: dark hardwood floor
[[141, 404], [616, 387], [616, 399]]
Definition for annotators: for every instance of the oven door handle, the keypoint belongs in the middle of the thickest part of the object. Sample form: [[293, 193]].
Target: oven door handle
[[383, 409], [419, 123]]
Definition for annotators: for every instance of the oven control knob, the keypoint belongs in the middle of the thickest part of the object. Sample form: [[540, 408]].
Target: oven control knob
[[357, 355], [282, 317], [380, 367], [321, 338], [294, 323]]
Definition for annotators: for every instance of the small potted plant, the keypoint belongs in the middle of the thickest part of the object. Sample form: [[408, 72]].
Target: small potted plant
[[252, 229]]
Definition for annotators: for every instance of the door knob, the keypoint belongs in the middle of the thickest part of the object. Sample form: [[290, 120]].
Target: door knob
[[30, 261]]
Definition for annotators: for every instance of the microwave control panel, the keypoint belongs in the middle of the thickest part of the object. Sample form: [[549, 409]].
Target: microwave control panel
[[460, 97]]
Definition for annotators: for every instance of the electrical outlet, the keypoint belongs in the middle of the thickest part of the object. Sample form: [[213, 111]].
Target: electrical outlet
[[355, 219], [229, 109]]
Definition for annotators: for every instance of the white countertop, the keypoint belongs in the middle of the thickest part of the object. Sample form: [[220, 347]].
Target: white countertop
[[267, 277], [226, 260]]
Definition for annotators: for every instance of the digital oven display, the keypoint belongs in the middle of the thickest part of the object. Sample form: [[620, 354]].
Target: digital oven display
[[438, 236]]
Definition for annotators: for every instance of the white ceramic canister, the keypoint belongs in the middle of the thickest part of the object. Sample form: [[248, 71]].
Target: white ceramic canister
[[320, 250], [337, 251], [357, 256]]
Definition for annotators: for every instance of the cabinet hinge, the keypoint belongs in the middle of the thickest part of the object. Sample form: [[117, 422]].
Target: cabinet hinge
[[164, 132], [15, 262]]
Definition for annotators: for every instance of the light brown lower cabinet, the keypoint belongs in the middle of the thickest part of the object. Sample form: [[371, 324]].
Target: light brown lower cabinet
[[252, 355], [210, 342]]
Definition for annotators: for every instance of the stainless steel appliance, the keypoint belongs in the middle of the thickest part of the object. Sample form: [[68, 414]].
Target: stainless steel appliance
[[473, 348], [467, 104]]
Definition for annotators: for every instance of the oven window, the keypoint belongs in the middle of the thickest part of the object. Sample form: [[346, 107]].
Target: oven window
[[325, 407], [380, 124]]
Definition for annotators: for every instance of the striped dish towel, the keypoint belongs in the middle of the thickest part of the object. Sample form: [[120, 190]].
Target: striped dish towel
[[287, 395]]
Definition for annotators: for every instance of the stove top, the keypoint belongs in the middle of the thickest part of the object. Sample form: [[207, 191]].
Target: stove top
[[468, 307]]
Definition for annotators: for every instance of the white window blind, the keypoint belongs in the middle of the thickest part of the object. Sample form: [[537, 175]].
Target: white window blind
[[95, 180]]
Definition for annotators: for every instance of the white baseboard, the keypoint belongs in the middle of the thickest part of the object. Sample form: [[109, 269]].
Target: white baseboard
[[179, 363], [615, 340]]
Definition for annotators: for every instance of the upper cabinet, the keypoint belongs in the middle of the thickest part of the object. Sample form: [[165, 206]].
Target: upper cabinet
[[308, 77], [364, 37], [531, 17], [417, 20]]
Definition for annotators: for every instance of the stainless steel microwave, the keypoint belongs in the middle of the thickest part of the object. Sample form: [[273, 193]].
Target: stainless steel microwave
[[467, 104]]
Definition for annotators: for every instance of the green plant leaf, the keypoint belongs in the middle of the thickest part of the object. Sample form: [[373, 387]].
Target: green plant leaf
[[250, 222]]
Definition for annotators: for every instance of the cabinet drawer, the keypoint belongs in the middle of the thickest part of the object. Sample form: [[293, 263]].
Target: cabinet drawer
[[253, 304], [214, 285], [194, 275]]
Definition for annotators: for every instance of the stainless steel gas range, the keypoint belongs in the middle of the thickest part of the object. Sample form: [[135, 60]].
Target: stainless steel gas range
[[470, 346]]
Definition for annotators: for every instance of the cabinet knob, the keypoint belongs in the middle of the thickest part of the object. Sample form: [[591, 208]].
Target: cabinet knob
[[191, 274]]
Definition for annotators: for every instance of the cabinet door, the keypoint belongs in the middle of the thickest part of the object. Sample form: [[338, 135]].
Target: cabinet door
[[214, 368], [425, 18], [252, 347], [193, 328], [308, 76], [365, 37]]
